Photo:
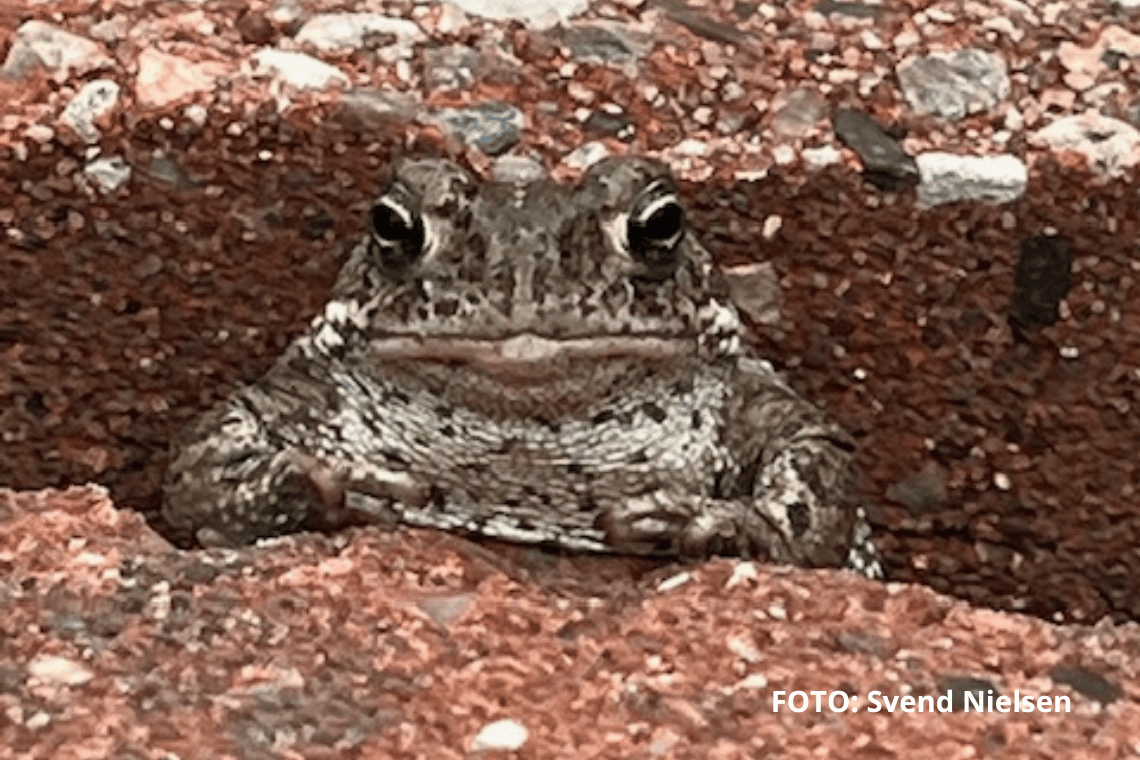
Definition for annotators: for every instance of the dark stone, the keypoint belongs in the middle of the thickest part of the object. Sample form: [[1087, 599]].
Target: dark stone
[[595, 42], [921, 492], [35, 406], [199, 573], [1113, 58], [255, 28], [885, 164], [857, 10], [702, 25], [370, 111], [744, 10], [617, 125], [164, 169], [863, 643], [1086, 682], [1041, 280]]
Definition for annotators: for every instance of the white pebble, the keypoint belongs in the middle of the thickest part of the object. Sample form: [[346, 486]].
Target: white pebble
[[772, 225], [676, 581], [60, 670], [741, 573], [502, 734]]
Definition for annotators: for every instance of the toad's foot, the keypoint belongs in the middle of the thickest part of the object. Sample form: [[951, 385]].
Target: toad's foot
[[673, 523]]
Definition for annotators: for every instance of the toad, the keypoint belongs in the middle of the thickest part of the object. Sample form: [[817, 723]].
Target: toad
[[532, 361]]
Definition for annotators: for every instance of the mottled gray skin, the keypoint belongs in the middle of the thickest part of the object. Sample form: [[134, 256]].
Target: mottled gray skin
[[540, 363]]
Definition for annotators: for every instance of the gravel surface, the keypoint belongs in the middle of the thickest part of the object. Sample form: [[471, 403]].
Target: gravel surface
[[417, 644]]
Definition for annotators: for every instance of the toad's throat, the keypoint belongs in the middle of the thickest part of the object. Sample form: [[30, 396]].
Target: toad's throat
[[530, 358]]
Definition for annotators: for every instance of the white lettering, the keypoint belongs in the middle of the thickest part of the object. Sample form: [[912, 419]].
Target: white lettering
[[817, 695], [799, 701], [975, 699]]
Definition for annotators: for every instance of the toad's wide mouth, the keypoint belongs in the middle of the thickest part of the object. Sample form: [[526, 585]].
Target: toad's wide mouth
[[528, 357]]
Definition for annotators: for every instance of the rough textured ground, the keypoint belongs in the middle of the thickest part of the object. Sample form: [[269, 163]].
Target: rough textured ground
[[123, 315], [409, 644]]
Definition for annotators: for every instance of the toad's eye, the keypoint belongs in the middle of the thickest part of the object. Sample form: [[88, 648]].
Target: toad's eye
[[396, 229], [655, 228]]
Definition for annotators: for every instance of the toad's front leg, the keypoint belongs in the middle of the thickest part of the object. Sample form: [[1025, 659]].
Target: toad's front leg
[[791, 503], [243, 471], [785, 520]]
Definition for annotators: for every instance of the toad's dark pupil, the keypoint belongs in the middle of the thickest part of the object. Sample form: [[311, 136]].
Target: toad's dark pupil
[[663, 223], [389, 224], [399, 236], [654, 233]]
